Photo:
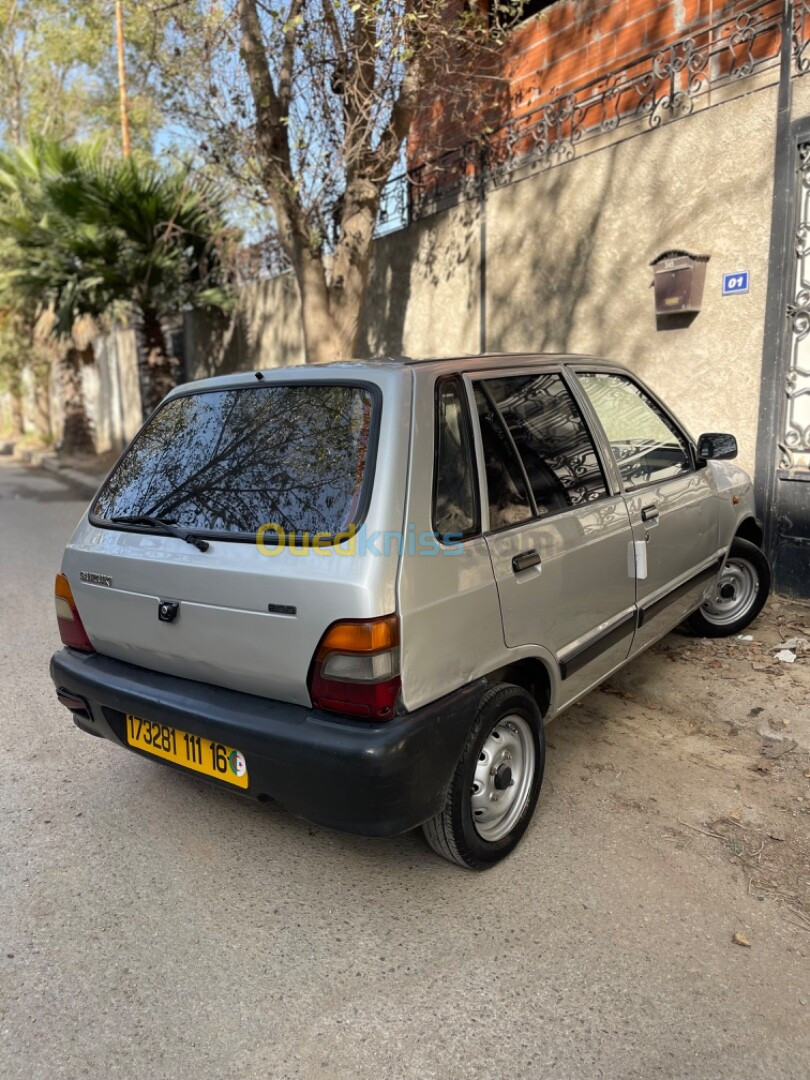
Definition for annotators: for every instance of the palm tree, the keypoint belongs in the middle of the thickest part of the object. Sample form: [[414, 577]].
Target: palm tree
[[160, 239], [98, 233], [39, 269]]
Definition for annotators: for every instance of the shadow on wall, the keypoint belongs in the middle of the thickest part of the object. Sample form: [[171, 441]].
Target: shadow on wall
[[423, 290], [263, 330], [214, 343], [542, 274]]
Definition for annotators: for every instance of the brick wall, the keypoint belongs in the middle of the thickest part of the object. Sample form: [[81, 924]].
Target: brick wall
[[573, 44]]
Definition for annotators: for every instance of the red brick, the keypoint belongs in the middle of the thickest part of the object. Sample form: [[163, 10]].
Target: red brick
[[573, 44]]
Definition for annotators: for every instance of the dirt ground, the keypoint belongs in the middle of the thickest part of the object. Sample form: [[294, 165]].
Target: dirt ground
[[739, 768]]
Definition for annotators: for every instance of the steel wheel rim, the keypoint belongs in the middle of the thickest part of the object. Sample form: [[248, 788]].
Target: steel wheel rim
[[734, 593], [497, 797]]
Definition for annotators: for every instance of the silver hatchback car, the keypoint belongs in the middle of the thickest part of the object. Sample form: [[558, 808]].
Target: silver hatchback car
[[361, 589]]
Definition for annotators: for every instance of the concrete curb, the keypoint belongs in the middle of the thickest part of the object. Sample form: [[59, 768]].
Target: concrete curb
[[83, 483]]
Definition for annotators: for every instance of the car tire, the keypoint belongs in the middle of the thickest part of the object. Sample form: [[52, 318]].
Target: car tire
[[738, 595], [494, 789]]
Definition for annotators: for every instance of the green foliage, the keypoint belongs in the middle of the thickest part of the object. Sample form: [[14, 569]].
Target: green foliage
[[59, 75], [12, 356], [85, 232]]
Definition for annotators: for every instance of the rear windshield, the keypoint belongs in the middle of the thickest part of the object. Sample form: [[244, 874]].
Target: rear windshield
[[230, 461]]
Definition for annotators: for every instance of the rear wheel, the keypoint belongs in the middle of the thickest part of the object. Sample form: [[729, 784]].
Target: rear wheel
[[496, 783], [737, 596]]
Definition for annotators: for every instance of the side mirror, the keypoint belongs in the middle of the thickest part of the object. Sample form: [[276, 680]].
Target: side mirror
[[715, 446]]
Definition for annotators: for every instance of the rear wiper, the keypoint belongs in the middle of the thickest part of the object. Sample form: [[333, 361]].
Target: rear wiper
[[168, 527]]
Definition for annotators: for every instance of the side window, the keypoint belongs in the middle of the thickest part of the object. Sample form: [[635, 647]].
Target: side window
[[647, 447], [552, 439], [508, 498], [455, 494]]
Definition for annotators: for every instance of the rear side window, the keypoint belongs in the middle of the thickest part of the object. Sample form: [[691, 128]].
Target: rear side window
[[550, 436], [455, 501], [229, 461], [506, 486]]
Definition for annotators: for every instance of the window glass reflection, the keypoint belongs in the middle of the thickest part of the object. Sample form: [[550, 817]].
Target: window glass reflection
[[233, 460]]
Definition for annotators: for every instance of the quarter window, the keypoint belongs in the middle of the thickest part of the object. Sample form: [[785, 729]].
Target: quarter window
[[509, 502], [646, 445], [455, 502], [549, 434]]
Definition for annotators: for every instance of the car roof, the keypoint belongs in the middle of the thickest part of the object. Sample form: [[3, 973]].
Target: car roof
[[473, 361], [463, 363]]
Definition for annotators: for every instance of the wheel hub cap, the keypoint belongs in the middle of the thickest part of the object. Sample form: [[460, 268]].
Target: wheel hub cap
[[503, 777]]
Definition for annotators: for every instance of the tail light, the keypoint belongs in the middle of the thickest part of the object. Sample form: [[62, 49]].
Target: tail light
[[356, 668], [71, 629]]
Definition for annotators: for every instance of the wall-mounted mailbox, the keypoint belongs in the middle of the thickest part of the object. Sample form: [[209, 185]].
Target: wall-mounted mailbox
[[679, 280]]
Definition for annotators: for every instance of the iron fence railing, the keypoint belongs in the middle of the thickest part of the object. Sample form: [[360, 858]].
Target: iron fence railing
[[661, 86]]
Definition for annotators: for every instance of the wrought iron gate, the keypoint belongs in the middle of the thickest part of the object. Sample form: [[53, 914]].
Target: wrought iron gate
[[792, 487]]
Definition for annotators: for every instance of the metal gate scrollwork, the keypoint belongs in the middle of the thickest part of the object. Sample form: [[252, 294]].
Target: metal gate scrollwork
[[795, 442]]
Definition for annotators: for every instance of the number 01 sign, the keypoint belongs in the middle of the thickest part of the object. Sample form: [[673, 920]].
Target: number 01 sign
[[736, 283]]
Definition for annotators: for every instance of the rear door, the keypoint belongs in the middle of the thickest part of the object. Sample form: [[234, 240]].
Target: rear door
[[672, 503], [559, 535]]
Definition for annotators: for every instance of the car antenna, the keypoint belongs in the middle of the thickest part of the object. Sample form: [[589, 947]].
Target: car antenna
[[259, 376]]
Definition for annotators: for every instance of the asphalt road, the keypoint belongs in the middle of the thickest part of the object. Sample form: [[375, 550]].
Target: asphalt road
[[153, 927]]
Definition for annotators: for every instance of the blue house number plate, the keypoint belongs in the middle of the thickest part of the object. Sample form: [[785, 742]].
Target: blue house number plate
[[735, 283]]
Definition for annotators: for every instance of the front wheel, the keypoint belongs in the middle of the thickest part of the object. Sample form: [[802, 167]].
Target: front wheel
[[737, 596], [496, 782]]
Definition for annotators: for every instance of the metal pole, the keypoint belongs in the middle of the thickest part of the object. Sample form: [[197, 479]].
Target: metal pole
[[122, 77]]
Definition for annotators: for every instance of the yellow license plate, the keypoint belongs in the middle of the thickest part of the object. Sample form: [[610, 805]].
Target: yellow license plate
[[190, 751]]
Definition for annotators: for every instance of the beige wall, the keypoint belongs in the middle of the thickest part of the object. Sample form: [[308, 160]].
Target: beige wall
[[569, 253], [567, 268], [112, 392], [263, 331]]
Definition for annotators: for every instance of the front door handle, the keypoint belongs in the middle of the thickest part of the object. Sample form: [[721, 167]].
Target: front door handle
[[649, 513], [525, 561]]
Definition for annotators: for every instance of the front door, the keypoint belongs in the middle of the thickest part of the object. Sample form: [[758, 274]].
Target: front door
[[559, 539], [672, 503]]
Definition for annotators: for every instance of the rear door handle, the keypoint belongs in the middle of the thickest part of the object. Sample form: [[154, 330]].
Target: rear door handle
[[525, 561], [649, 513]]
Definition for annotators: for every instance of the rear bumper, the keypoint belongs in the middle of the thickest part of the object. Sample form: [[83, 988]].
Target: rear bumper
[[372, 779]]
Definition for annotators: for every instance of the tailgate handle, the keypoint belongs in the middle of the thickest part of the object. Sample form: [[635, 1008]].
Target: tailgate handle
[[525, 561], [649, 513]]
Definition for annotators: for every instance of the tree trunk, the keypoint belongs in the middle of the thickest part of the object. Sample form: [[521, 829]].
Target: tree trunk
[[332, 300], [352, 259], [77, 435], [17, 414], [159, 370], [42, 400], [322, 341]]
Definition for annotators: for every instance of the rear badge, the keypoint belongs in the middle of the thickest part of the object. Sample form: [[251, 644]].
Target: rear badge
[[282, 609], [95, 579], [167, 610]]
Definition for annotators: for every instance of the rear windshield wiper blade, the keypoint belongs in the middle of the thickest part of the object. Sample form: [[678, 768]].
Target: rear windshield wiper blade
[[168, 527]]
